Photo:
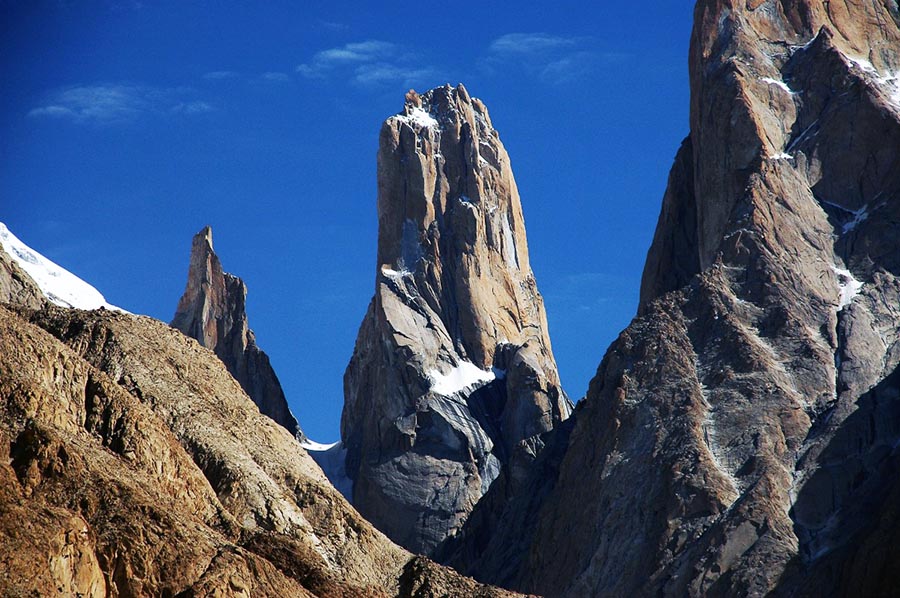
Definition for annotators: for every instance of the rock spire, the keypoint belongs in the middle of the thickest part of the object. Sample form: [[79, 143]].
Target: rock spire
[[213, 311], [740, 436], [453, 377]]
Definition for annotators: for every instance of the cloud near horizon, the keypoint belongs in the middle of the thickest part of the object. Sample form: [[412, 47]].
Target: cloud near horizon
[[275, 77], [221, 75], [370, 62], [115, 103], [529, 43], [553, 59]]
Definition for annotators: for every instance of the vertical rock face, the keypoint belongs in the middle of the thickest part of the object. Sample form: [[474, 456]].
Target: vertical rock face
[[453, 376], [212, 311], [741, 435]]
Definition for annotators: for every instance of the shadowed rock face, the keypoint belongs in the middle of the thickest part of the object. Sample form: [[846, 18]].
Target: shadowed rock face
[[736, 428], [213, 311], [453, 377], [133, 464]]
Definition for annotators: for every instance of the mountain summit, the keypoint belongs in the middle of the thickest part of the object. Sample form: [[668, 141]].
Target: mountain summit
[[213, 311], [453, 377], [740, 437]]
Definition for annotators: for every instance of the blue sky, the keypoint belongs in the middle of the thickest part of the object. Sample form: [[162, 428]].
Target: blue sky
[[127, 126]]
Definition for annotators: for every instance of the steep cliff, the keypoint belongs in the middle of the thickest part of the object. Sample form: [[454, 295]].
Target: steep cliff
[[741, 435], [213, 311], [453, 377]]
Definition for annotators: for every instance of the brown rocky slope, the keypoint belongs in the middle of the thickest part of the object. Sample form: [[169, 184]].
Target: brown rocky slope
[[133, 464], [741, 435]]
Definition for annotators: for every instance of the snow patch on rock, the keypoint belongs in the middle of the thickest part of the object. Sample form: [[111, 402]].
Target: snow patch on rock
[[848, 287], [889, 83], [778, 83], [419, 117], [463, 376], [395, 274], [853, 217], [331, 458], [859, 216], [56, 283]]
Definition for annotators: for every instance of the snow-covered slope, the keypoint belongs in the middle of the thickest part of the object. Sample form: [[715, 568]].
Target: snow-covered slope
[[330, 457], [58, 284]]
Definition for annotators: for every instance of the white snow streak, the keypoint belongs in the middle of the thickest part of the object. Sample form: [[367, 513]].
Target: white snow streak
[[890, 83], [859, 216], [419, 117], [312, 445], [331, 458], [863, 64], [394, 274], [463, 376], [777, 83], [57, 284], [848, 286], [804, 46]]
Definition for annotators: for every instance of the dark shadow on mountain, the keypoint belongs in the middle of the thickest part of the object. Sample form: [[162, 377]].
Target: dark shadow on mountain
[[847, 515]]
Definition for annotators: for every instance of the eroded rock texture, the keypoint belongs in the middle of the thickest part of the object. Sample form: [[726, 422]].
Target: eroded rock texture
[[213, 311], [16, 286], [133, 464], [452, 378], [741, 435]]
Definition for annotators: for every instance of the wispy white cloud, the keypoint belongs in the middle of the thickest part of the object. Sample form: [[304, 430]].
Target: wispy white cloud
[[368, 63], [550, 58], [114, 103], [226, 76], [356, 53], [530, 43], [53, 110], [195, 107], [332, 25], [385, 73], [275, 77], [221, 75]]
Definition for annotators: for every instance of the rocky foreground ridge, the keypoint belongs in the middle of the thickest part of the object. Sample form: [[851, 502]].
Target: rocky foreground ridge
[[453, 378], [741, 435], [133, 464]]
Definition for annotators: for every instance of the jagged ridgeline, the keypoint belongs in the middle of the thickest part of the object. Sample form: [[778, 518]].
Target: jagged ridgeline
[[453, 378], [132, 463], [740, 437]]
